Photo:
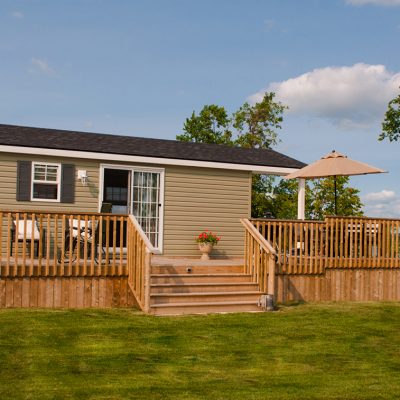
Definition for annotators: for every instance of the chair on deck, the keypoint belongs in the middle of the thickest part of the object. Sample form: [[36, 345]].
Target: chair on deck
[[106, 208], [27, 231], [79, 233]]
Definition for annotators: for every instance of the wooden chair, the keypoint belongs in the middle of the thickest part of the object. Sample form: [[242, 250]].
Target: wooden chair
[[77, 234]]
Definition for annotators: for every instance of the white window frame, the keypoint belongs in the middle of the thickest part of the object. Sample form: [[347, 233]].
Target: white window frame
[[58, 182]]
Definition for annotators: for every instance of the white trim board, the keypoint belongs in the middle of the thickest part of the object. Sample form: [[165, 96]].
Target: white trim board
[[260, 169]]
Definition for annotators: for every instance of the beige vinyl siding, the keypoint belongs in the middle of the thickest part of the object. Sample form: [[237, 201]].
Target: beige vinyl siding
[[86, 197], [195, 199], [200, 198]]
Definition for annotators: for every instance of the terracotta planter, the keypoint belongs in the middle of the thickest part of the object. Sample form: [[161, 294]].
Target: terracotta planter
[[205, 249]]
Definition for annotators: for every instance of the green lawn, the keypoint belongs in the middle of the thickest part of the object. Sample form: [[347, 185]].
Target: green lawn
[[346, 351]]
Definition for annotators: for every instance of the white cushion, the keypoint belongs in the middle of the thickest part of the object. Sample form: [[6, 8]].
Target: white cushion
[[73, 226], [27, 230]]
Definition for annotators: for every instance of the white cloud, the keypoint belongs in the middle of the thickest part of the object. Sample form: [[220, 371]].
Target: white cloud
[[385, 203], [39, 65], [385, 3], [383, 196], [354, 96], [17, 14]]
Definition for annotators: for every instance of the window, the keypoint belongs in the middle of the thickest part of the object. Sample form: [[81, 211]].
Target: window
[[46, 181]]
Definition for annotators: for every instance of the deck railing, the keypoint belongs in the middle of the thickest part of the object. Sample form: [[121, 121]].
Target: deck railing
[[259, 259], [308, 247], [49, 244], [139, 261]]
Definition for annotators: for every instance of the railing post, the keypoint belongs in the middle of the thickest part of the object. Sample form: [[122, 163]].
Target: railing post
[[147, 264], [271, 278]]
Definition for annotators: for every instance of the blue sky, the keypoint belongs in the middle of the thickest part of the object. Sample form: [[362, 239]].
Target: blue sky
[[141, 67]]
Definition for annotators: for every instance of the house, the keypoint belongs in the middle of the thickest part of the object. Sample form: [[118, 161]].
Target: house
[[174, 189], [58, 250]]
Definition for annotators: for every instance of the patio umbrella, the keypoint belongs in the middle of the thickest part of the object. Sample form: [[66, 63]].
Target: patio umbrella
[[334, 164]]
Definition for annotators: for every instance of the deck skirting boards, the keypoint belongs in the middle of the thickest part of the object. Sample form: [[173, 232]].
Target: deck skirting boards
[[65, 292], [356, 284]]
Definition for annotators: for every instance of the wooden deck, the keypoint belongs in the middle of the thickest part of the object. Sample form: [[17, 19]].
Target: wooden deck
[[104, 260], [310, 247]]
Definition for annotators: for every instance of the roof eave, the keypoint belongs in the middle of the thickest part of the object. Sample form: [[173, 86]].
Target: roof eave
[[40, 151]]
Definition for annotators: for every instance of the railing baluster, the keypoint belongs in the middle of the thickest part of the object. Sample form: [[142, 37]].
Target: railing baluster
[[396, 247], [56, 240], [114, 255], [39, 260], [93, 240], [24, 244], [1, 245], [50, 269], [9, 243], [121, 246], [107, 243], [100, 246], [16, 247]]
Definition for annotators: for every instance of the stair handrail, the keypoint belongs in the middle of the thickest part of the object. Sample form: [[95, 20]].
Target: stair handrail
[[257, 236], [139, 250], [260, 259]]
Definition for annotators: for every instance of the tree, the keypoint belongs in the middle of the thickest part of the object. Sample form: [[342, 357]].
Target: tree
[[320, 198], [252, 126], [285, 193], [391, 123], [210, 126], [262, 199], [257, 125], [323, 203]]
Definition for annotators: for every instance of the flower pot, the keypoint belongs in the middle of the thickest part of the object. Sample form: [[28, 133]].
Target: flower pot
[[205, 248]]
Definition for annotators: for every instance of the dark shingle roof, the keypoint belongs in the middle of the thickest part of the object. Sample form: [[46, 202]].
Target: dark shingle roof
[[23, 136]]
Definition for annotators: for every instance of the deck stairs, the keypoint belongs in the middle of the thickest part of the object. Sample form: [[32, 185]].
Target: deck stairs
[[189, 286]]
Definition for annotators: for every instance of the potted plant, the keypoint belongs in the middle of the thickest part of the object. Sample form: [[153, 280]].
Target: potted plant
[[206, 241]]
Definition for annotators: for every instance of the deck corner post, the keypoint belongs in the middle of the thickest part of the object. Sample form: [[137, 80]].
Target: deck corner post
[[271, 283], [147, 263]]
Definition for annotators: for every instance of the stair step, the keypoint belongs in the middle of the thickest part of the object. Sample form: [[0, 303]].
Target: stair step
[[197, 269], [198, 278], [205, 308], [203, 287], [201, 297]]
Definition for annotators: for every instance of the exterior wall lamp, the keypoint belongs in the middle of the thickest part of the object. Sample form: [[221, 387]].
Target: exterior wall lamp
[[83, 177]]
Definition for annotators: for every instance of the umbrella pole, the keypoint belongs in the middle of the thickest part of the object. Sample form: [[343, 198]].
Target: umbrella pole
[[335, 196]]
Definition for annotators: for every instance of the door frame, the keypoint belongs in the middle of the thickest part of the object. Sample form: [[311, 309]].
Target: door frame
[[132, 168]]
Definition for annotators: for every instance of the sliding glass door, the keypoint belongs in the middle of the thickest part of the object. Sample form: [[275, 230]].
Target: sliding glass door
[[146, 203], [137, 191]]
